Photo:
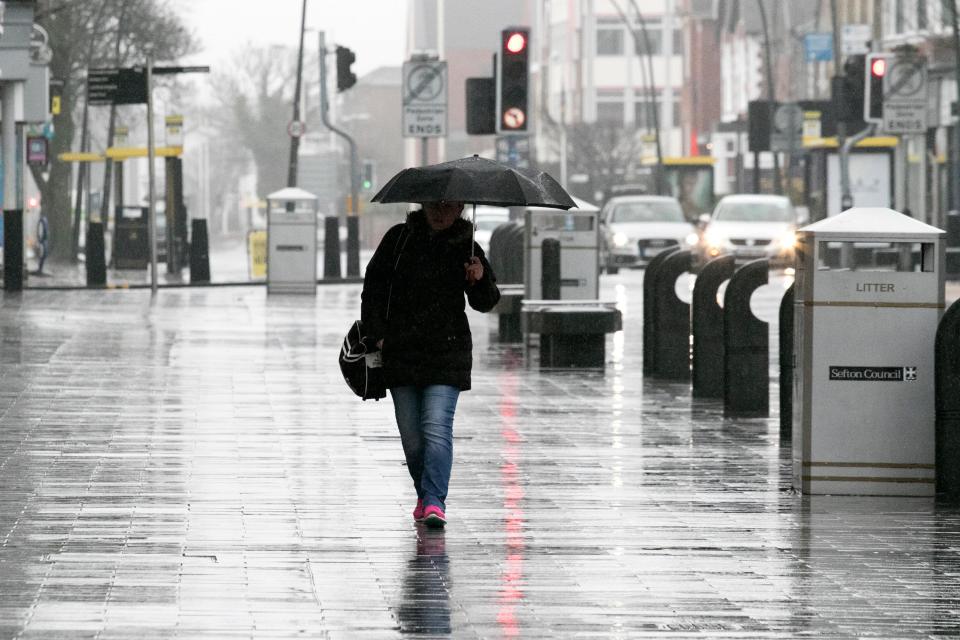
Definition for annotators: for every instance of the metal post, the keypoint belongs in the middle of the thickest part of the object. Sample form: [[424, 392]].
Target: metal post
[[8, 131], [424, 151], [659, 187], [756, 172], [955, 147], [846, 201], [151, 180], [777, 185], [921, 213], [295, 140], [354, 164], [563, 136]]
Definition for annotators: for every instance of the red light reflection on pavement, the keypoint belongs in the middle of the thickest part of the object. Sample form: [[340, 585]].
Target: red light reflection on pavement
[[511, 578]]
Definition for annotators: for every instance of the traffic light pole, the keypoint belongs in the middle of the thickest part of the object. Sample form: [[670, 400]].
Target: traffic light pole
[[151, 179], [354, 164], [955, 151]]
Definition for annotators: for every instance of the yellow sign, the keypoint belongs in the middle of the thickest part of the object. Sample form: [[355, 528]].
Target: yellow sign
[[257, 254], [811, 132], [174, 131], [55, 105]]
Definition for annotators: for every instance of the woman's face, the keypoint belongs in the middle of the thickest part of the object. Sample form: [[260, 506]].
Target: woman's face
[[440, 215]]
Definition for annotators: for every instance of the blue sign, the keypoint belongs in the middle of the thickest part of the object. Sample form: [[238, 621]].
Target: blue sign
[[818, 47]]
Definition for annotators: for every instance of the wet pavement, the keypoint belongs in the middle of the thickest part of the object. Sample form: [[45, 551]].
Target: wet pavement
[[192, 465]]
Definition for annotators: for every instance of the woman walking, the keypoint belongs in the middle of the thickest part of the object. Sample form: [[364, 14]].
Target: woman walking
[[413, 309]]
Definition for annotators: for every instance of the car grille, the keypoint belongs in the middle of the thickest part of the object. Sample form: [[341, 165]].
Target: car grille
[[749, 242], [655, 243]]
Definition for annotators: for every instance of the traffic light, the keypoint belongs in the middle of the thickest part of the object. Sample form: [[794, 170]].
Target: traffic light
[[481, 106], [848, 90], [513, 79], [366, 175], [877, 65], [345, 77]]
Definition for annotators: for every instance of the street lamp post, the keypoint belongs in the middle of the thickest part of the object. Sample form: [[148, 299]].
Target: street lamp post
[[295, 139], [651, 89]]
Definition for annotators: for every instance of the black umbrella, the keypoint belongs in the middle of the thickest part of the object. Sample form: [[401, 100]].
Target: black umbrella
[[475, 180]]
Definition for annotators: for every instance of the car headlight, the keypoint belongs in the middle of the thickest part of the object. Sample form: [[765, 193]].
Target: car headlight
[[715, 239], [692, 240], [788, 240], [620, 239]]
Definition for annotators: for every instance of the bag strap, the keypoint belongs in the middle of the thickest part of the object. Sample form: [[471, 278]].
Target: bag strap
[[404, 235]]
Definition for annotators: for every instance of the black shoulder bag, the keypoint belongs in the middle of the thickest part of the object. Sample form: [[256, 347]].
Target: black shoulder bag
[[362, 370]]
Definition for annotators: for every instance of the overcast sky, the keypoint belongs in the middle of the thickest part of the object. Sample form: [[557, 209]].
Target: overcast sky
[[374, 29]]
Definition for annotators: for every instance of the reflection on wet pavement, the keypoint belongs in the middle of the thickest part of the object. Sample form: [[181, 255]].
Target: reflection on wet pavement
[[193, 466]]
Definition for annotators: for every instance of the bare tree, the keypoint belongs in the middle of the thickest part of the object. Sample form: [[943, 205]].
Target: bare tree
[[608, 153], [85, 34], [255, 105]]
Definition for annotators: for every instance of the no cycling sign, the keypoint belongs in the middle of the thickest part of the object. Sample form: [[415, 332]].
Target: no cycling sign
[[424, 99]]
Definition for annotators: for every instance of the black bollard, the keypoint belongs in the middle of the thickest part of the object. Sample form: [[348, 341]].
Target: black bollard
[[13, 249], [199, 251], [746, 343], [353, 246], [515, 255], [95, 254], [550, 269], [947, 402], [671, 319], [497, 256], [706, 324], [331, 247], [649, 309], [786, 365]]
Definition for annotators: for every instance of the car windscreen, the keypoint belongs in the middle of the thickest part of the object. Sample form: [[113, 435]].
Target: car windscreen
[[754, 212], [646, 212]]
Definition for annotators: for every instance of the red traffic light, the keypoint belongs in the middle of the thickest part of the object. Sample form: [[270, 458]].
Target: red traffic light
[[516, 42], [878, 67]]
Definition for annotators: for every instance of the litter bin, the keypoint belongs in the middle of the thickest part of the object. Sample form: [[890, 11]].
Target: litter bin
[[863, 391], [578, 232], [292, 241]]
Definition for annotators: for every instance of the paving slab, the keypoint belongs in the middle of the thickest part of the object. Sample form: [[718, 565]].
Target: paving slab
[[191, 465]]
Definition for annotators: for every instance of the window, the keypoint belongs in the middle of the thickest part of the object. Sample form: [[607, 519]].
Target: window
[[641, 114], [610, 112], [644, 119], [609, 42], [656, 43], [655, 34]]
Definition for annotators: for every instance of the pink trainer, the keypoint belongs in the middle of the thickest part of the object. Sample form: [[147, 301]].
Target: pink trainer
[[434, 517], [418, 511]]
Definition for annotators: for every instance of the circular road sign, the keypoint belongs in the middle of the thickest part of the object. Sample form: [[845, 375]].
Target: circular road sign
[[296, 128], [904, 79], [425, 83]]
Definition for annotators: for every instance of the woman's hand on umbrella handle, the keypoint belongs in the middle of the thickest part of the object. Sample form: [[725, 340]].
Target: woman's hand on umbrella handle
[[474, 270], [380, 343]]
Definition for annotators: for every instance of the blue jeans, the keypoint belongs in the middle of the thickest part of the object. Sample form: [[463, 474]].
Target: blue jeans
[[425, 419]]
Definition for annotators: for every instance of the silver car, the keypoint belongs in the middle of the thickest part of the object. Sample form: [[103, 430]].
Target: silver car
[[750, 227], [636, 228]]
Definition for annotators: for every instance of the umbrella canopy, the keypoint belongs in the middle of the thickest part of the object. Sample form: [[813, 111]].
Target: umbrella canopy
[[475, 180]]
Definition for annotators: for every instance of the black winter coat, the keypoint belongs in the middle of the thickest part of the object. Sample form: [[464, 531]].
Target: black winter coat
[[426, 336]]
